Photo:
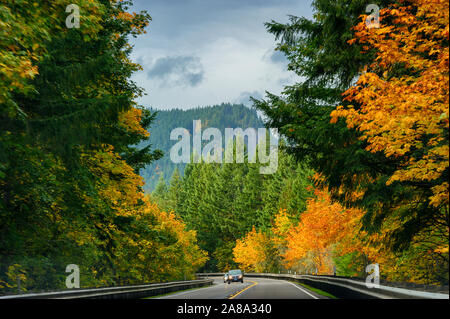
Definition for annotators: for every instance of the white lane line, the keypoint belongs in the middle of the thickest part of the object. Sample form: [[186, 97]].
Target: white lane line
[[306, 292]]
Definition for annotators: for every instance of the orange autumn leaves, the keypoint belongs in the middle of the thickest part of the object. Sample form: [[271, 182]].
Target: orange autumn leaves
[[401, 99], [131, 119], [324, 230], [400, 105], [322, 226]]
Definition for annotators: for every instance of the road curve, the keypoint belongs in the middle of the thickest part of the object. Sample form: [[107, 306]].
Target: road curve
[[252, 288]]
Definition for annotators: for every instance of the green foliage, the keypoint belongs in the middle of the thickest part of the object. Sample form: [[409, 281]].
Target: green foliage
[[174, 192], [161, 188], [350, 265], [319, 52], [222, 202], [218, 116], [68, 153]]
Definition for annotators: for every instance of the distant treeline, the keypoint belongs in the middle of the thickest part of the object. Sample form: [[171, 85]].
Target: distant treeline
[[223, 202], [218, 116]]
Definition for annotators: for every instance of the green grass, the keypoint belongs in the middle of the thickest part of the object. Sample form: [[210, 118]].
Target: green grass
[[317, 291]]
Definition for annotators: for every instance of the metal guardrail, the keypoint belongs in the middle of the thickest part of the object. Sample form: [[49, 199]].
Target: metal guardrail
[[348, 288], [121, 292]]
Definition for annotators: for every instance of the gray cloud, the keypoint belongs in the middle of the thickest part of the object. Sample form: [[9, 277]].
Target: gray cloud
[[177, 71], [226, 39], [244, 98], [278, 57]]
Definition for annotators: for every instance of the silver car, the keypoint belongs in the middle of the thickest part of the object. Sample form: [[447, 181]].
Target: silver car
[[235, 275]]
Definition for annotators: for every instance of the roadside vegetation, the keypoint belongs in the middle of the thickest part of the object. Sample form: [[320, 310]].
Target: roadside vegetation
[[363, 162], [70, 192], [363, 174]]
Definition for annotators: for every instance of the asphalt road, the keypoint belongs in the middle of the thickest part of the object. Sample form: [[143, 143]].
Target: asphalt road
[[252, 288]]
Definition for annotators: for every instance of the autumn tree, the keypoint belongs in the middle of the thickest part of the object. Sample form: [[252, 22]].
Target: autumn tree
[[400, 106], [253, 252], [389, 139], [69, 188]]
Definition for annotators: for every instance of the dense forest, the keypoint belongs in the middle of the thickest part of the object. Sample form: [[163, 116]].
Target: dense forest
[[365, 177], [363, 162], [218, 116], [371, 119], [223, 202], [70, 192]]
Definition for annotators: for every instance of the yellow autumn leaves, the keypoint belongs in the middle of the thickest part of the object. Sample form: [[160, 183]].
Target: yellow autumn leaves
[[399, 104], [176, 255], [405, 113]]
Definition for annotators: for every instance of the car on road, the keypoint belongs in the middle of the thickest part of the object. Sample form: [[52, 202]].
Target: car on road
[[235, 275]]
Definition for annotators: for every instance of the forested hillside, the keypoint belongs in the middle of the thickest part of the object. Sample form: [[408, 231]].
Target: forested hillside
[[218, 116], [69, 188], [370, 117], [362, 177], [222, 202]]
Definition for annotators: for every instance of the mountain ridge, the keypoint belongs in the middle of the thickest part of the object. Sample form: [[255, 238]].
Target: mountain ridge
[[219, 116]]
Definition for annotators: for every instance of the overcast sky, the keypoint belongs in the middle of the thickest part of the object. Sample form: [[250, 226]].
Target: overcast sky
[[205, 52]]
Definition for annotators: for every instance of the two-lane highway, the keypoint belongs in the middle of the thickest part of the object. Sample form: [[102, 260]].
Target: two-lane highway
[[252, 288]]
